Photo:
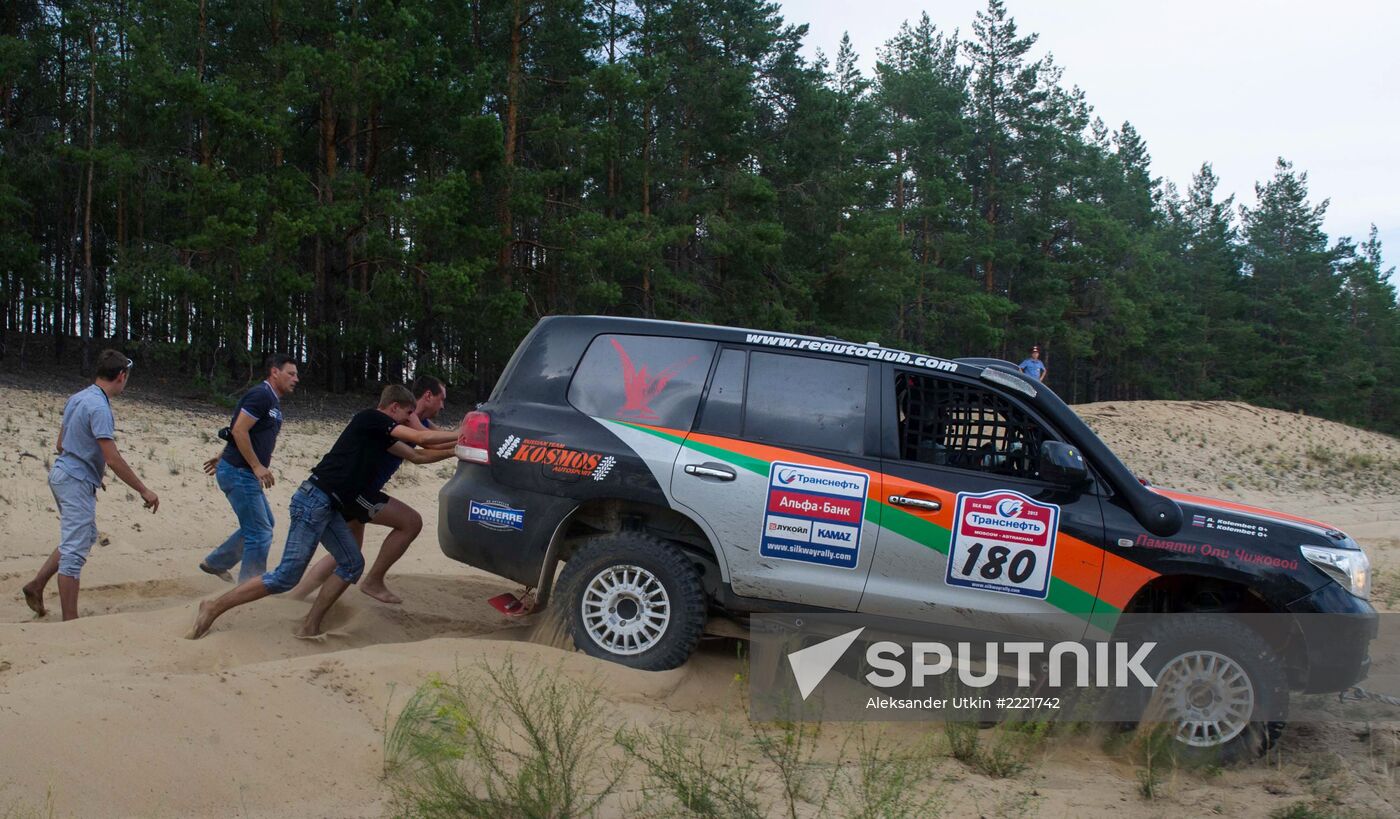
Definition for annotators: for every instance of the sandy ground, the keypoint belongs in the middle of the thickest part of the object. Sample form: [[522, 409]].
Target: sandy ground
[[116, 715]]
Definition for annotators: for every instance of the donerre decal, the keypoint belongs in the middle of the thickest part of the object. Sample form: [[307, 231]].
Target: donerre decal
[[853, 350], [495, 515]]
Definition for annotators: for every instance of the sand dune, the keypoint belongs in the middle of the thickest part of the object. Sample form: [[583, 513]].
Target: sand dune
[[116, 715]]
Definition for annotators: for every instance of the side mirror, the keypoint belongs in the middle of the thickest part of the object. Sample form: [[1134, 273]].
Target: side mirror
[[1062, 464]]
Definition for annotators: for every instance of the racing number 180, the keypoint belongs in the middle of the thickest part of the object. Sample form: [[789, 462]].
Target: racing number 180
[[1021, 567]]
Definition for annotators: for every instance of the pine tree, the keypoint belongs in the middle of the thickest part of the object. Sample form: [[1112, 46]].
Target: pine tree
[[1294, 296]]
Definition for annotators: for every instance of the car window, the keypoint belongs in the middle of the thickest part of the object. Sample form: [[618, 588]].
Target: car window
[[723, 413], [948, 423], [806, 402], [646, 379]]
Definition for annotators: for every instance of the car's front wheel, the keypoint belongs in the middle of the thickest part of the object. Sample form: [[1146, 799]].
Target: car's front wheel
[[1221, 693], [635, 600]]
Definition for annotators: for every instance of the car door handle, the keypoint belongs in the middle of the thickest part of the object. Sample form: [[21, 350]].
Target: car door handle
[[722, 473], [916, 503]]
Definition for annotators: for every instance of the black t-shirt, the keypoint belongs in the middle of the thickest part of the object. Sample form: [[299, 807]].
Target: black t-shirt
[[265, 408], [349, 468], [389, 464]]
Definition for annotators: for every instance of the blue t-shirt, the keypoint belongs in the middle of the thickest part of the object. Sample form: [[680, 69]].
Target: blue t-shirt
[[265, 408], [87, 419], [390, 464], [1033, 367]]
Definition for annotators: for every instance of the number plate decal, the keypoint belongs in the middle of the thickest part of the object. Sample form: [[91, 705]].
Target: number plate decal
[[1004, 542]]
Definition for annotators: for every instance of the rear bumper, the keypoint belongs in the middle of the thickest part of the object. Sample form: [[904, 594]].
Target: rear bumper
[[499, 529], [1337, 629]]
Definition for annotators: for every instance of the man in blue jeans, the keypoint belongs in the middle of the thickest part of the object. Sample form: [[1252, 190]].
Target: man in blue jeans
[[243, 472], [86, 447], [403, 520], [338, 483]]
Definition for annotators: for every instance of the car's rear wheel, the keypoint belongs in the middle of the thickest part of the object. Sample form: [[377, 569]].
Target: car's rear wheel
[[1222, 694], [635, 600]]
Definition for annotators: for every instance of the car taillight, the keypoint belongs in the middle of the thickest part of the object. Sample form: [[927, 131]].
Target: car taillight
[[475, 439]]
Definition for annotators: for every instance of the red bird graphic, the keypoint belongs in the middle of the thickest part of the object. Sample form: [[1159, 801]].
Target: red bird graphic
[[640, 387]]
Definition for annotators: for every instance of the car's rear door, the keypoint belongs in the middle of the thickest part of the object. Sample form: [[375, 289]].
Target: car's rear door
[[782, 470]]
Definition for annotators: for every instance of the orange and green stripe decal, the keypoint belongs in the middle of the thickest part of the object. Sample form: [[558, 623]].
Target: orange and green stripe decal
[[1089, 582]]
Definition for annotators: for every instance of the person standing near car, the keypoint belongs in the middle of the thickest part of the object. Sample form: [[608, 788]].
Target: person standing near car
[[86, 446], [243, 471], [1033, 366], [339, 482], [404, 521]]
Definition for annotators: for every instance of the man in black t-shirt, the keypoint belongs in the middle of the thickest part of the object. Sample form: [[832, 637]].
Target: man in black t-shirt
[[337, 484], [403, 520], [243, 471]]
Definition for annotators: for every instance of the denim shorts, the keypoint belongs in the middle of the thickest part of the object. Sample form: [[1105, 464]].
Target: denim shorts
[[77, 520]]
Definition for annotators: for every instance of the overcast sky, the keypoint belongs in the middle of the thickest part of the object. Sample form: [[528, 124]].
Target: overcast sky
[[1237, 83]]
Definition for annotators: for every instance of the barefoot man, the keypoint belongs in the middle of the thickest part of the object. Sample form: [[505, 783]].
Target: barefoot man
[[86, 447], [337, 483], [403, 519], [242, 472]]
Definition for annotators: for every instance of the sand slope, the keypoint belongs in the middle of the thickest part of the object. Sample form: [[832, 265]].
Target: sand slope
[[117, 715]]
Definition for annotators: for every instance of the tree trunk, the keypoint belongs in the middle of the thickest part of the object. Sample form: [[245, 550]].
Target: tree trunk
[[324, 349], [504, 259], [63, 256], [204, 156], [87, 203], [121, 326]]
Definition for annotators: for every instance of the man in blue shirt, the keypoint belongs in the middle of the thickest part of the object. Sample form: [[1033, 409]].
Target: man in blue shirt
[[243, 471], [86, 447], [382, 510], [1033, 366]]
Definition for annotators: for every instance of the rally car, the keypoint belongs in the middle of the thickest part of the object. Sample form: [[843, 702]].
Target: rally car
[[679, 471]]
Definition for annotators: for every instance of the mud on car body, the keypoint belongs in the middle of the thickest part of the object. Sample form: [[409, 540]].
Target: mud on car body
[[679, 471]]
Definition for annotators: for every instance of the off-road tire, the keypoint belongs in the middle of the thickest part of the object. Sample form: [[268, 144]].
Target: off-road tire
[[668, 565], [1251, 653]]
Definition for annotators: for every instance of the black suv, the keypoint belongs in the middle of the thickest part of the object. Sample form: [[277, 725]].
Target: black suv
[[680, 470]]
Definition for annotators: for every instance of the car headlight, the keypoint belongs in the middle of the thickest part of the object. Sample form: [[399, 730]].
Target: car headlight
[[1349, 567]]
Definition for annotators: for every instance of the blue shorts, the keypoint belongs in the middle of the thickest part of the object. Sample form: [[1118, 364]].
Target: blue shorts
[[77, 520]]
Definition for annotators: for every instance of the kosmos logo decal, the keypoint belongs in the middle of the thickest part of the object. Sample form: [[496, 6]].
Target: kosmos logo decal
[[557, 458]]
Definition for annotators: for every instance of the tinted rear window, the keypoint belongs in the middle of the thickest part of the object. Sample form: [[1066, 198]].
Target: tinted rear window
[[807, 402], [646, 379], [724, 408]]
